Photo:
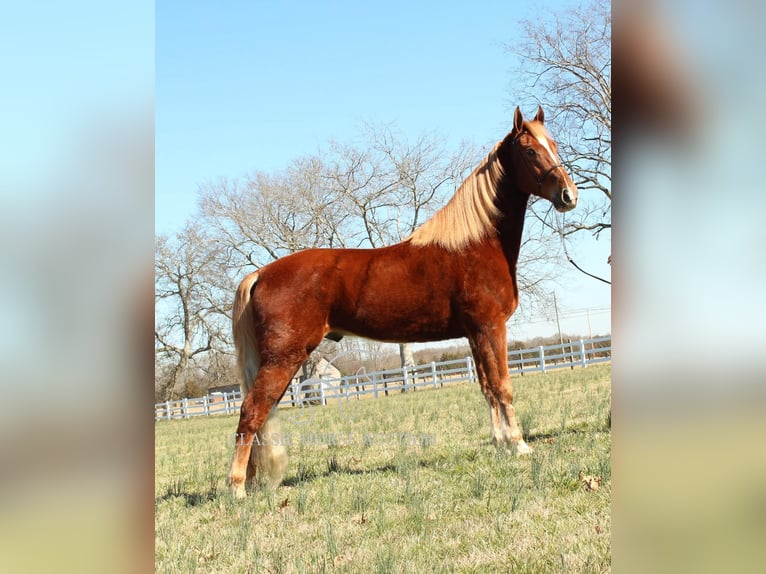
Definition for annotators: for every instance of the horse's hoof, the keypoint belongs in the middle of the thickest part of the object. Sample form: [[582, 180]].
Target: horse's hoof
[[521, 448], [237, 488]]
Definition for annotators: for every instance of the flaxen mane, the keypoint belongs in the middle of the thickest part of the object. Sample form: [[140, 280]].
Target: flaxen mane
[[471, 213]]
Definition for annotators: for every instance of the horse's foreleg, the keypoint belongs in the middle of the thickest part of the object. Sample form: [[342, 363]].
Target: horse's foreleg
[[490, 352], [495, 421], [512, 431]]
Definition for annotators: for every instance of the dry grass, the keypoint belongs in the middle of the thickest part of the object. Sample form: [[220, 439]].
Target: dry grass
[[407, 483]]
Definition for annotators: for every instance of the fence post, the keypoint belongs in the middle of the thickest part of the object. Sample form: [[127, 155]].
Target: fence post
[[408, 386], [433, 372], [582, 354], [185, 408], [374, 385], [167, 411], [469, 366], [542, 358], [571, 354], [513, 353], [321, 394]]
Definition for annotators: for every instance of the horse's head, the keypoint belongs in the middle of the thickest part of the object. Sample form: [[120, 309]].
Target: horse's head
[[533, 156]]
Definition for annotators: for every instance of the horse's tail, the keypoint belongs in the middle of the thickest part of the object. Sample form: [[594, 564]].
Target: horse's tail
[[268, 455], [243, 330]]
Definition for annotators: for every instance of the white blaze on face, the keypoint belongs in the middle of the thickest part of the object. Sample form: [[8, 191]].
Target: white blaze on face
[[543, 141]]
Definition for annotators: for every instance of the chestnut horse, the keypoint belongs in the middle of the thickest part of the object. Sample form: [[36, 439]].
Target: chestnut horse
[[455, 276]]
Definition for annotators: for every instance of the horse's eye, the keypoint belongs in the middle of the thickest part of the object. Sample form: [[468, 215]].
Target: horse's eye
[[530, 151]]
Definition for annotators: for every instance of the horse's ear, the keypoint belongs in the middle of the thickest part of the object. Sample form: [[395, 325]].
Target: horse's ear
[[540, 117], [518, 120]]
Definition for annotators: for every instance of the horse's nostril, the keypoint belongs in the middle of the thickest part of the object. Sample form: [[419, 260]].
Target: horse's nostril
[[566, 197]]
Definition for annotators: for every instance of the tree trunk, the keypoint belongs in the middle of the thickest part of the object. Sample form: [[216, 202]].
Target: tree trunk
[[178, 371], [405, 354]]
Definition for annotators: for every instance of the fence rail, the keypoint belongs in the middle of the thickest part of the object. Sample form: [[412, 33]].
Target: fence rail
[[580, 353]]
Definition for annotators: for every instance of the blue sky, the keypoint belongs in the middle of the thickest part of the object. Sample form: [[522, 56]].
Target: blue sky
[[70, 69], [245, 86]]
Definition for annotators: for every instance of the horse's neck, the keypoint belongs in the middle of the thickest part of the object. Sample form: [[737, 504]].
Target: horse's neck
[[511, 226]]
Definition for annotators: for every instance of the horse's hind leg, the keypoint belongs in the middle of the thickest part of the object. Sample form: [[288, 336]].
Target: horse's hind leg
[[268, 457], [269, 385]]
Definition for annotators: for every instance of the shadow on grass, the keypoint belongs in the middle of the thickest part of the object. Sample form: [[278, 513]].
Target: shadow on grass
[[574, 430], [312, 476], [190, 498]]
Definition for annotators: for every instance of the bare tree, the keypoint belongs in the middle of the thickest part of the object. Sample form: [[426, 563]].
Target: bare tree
[[566, 67], [190, 280], [265, 217], [391, 185], [365, 195]]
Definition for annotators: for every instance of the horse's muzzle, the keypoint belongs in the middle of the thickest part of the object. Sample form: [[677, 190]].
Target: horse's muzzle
[[566, 200]]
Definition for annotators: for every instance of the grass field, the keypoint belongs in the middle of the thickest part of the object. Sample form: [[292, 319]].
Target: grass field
[[407, 483]]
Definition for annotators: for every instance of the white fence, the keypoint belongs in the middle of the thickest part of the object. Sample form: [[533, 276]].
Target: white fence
[[573, 354]]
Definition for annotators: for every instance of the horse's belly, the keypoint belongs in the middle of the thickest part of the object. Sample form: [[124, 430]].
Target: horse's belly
[[389, 319]]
